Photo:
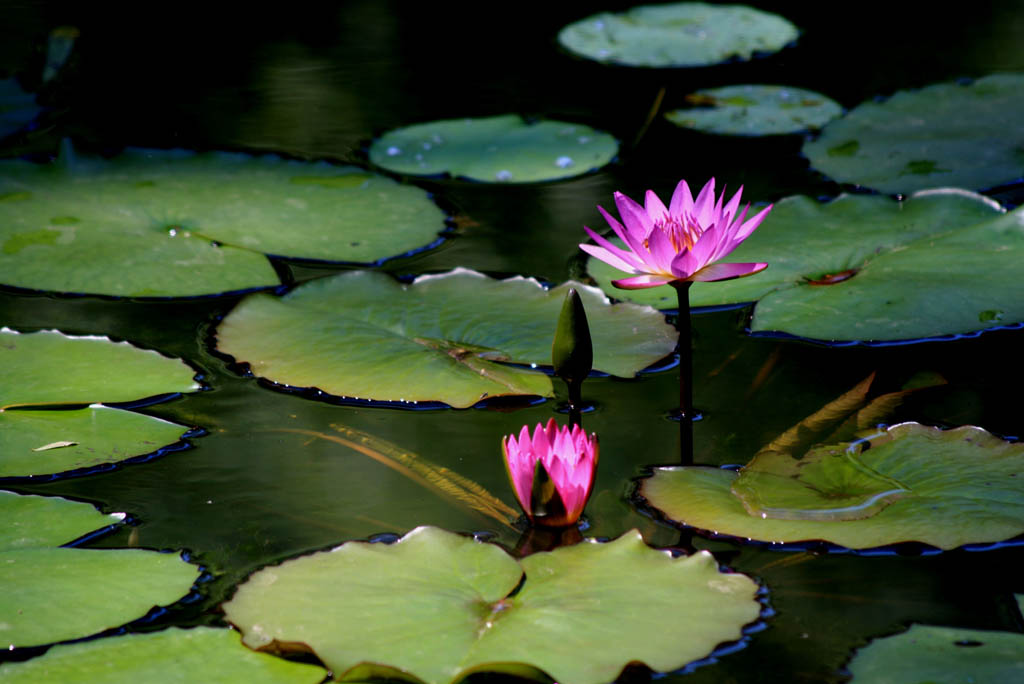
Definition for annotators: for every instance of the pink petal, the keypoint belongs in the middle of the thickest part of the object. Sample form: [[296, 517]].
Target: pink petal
[[610, 254], [703, 206], [660, 253], [682, 200], [747, 228], [732, 206], [726, 271], [685, 265], [633, 240], [641, 281], [655, 207], [634, 216]]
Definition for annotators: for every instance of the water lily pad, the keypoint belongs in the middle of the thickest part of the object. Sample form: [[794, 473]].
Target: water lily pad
[[862, 267], [59, 594], [170, 224], [677, 35], [48, 368], [438, 606], [755, 110], [362, 334], [925, 653], [201, 654], [955, 487], [497, 149], [968, 135], [42, 521]]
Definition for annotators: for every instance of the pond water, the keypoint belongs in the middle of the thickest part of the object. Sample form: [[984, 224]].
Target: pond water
[[312, 82]]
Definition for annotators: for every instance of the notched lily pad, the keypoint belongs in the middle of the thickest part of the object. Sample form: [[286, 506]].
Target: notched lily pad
[[755, 110], [968, 135], [869, 268], [200, 654], [926, 653], [58, 594], [907, 483], [442, 338], [154, 223], [680, 34], [50, 369], [42, 521], [360, 606], [497, 149]]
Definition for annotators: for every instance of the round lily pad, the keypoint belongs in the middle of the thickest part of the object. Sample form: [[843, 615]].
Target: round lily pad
[[436, 606], [201, 654], [864, 267], [908, 483], [42, 521], [968, 135], [153, 223], [679, 34], [755, 110], [925, 653], [59, 594], [48, 368], [363, 335], [497, 149]]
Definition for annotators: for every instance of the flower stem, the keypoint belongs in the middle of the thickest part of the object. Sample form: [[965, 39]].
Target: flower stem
[[685, 373], [575, 388]]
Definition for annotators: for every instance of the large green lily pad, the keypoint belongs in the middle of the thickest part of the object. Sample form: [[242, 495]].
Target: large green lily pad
[[59, 594], [908, 483], [156, 223], [363, 335], [755, 110], [48, 368], [926, 653], [435, 606], [680, 34], [871, 268], [42, 521], [202, 654], [950, 134], [497, 149]]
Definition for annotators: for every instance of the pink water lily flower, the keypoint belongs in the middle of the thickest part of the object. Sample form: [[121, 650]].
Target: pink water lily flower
[[680, 243], [551, 471]]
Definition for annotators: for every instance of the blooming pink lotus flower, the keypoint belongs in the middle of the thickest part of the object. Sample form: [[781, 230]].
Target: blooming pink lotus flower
[[552, 472], [681, 243]]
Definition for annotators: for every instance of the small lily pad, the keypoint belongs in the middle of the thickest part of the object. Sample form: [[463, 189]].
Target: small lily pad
[[58, 594], [48, 368], [201, 654], [908, 483], [442, 338], [862, 267], [436, 606], [153, 223], [497, 149], [44, 521], [755, 110], [925, 653], [679, 34], [968, 135]]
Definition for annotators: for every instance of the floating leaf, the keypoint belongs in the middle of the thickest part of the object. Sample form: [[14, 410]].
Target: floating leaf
[[925, 653], [871, 268], [42, 521], [59, 594], [200, 654], [362, 606], [677, 35], [755, 110], [949, 134], [958, 487], [49, 368], [494, 149], [171, 224], [361, 334]]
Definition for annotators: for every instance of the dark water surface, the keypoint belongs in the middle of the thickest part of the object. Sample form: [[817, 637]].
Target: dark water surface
[[312, 82]]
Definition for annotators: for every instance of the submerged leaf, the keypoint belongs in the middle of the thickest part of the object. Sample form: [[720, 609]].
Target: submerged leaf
[[364, 335], [360, 606], [944, 488]]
